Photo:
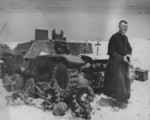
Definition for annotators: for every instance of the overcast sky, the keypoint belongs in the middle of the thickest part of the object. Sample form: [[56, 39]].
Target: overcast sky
[[80, 19]]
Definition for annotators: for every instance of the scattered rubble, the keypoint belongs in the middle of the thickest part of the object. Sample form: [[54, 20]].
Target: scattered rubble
[[77, 101]]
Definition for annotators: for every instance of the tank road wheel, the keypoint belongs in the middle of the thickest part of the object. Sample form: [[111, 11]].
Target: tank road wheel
[[30, 87], [60, 77], [7, 83]]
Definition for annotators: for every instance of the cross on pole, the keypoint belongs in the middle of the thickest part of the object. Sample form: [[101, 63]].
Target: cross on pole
[[86, 46], [98, 44]]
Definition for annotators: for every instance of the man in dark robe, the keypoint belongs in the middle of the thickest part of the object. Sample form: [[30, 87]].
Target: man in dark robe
[[117, 82]]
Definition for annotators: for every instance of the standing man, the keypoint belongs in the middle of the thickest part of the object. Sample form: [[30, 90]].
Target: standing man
[[117, 82]]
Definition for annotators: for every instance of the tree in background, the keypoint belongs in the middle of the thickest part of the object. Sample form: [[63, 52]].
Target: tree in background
[[8, 57], [5, 50]]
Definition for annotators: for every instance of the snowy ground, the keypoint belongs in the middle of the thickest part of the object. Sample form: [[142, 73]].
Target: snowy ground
[[138, 107]]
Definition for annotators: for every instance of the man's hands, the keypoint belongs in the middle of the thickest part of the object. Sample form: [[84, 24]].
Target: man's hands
[[128, 55], [126, 58]]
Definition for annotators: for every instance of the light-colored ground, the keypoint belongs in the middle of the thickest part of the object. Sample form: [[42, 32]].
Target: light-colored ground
[[138, 107], [3, 94]]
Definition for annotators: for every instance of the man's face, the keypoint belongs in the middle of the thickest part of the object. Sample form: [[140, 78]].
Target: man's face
[[123, 27]]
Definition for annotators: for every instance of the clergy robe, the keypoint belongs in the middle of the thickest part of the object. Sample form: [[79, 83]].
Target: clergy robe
[[117, 82]]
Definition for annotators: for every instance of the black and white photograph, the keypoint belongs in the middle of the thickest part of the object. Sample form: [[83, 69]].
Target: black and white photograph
[[74, 59]]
